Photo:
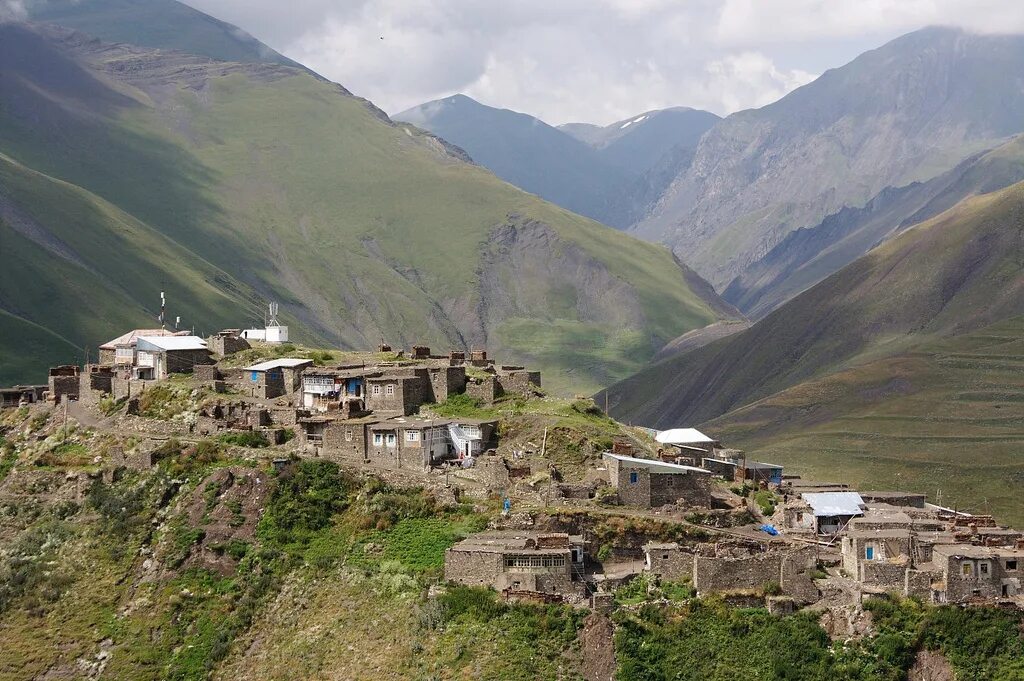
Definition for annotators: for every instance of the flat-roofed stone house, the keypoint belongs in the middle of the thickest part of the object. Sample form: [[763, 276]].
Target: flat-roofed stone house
[[647, 483], [514, 561]]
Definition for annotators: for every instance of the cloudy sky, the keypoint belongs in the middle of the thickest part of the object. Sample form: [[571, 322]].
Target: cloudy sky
[[595, 61]]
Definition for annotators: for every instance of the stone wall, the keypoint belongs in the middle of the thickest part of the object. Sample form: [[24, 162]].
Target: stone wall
[[672, 564], [184, 361], [637, 494], [472, 568], [919, 583], [522, 382], [884, 574], [690, 489], [207, 373], [484, 389], [343, 439], [792, 570], [446, 381]]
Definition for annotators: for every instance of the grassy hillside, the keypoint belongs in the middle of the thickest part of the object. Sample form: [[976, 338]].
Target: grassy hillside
[[163, 24], [955, 273], [884, 368], [361, 228], [946, 418]]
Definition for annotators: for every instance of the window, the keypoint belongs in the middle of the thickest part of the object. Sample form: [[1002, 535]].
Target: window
[[389, 390], [378, 439], [1011, 565], [869, 552], [412, 436], [376, 390], [348, 435], [967, 569], [799, 517], [391, 439], [534, 561], [984, 568], [634, 477]]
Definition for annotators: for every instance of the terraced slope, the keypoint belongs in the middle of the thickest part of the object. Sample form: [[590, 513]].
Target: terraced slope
[[361, 228]]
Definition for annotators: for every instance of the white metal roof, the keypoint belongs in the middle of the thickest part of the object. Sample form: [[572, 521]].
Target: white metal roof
[[133, 335], [173, 342], [287, 362], [682, 436], [834, 503], [659, 466]]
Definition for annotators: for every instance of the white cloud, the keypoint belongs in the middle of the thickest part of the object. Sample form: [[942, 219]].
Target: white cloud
[[12, 10], [590, 60]]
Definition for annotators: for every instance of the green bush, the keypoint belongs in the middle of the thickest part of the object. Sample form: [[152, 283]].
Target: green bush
[[458, 405], [249, 438], [305, 498]]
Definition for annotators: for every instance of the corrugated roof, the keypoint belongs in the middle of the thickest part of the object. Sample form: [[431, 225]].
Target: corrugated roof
[[834, 503], [133, 335], [287, 362], [682, 436], [173, 342], [659, 466]]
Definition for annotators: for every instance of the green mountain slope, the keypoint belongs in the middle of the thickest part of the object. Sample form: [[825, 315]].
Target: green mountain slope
[[960, 271], [904, 368], [361, 228], [162, 24]]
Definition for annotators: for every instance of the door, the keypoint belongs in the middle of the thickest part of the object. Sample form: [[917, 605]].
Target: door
[[869, 553]]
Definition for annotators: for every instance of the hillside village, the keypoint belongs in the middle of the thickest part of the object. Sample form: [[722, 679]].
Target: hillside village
[[698, 512]]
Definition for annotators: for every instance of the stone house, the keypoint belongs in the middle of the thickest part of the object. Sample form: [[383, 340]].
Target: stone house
[[517, 561], [688, 441], [409, 442], [976, 572], [646, 483], [398, 391], [227, 342], [121, 350], [325, 390], [878, 557], [275, 377], [157, 357]]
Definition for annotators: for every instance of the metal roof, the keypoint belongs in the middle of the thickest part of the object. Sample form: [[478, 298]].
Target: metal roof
[[133, 335], [657, 466], [834, 503], [287, 362], [171, 342], [682, 436]]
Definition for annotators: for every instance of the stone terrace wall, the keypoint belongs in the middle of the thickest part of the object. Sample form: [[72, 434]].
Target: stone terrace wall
[[472, 568], [672, 564]]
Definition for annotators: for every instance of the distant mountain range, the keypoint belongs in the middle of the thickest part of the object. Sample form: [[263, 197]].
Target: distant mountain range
[[609, 173], [766, 202], [126, 169]]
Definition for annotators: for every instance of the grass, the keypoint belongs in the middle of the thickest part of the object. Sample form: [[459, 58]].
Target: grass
[[952, 430]]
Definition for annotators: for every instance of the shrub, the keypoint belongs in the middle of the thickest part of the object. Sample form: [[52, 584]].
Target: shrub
[[771, 589], [249, 438], [305, 499]]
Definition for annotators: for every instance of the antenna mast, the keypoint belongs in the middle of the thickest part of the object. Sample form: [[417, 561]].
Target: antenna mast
[[273, 307], [163, 310]]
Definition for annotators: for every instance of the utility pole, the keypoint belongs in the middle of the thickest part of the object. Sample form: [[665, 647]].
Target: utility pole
[[66, 400]]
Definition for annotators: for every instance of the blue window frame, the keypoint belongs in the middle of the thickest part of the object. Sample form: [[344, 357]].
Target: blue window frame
[[634, 477], [869, 553]]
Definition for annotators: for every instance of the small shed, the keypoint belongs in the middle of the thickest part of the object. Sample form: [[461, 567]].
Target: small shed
[[833, 511], [647, 483], [159, 356]]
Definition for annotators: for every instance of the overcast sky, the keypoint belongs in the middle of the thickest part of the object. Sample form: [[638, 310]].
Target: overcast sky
[[594, 61]]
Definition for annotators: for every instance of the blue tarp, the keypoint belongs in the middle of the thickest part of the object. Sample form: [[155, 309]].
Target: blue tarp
[[770, 529]]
